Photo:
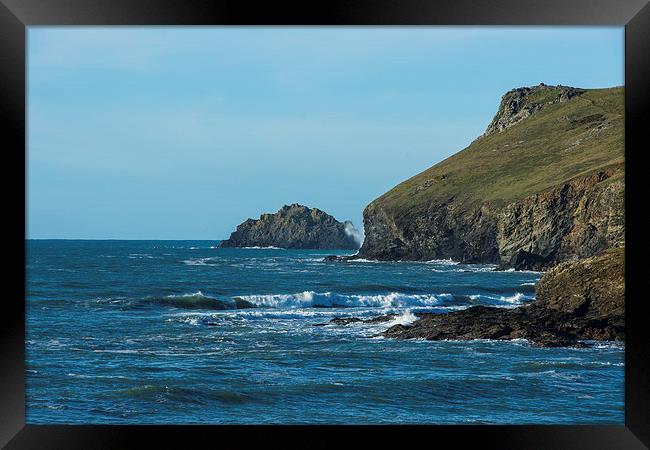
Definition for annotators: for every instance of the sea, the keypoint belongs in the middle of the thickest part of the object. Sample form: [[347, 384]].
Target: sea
[[162, 332]]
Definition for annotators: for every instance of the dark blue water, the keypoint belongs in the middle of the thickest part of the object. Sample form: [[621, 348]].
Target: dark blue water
[[136, 332]]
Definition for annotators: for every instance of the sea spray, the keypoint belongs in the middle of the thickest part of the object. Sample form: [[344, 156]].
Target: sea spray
[[406, 318], [354, 232]]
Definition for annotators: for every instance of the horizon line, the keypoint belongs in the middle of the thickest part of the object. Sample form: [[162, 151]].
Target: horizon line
[[116, 239]]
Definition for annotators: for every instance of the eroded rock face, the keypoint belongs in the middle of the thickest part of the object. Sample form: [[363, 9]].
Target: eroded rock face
[[294, 226], [439, 231], [577, 219], [579, 300]]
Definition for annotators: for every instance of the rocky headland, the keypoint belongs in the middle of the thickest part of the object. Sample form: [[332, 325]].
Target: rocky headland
[[297, 227], [544, 184], [542, 189]]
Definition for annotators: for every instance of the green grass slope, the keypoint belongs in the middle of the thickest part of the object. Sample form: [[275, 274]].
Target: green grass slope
[[558, 141]]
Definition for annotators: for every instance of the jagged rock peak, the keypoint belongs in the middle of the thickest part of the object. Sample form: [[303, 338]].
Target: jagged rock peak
[[520, 103]]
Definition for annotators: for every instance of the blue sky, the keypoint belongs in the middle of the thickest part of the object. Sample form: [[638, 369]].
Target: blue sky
[[183, 133]]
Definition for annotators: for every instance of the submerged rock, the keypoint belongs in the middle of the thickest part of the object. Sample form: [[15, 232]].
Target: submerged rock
[[345, 320], [295, 226], [349, 320]]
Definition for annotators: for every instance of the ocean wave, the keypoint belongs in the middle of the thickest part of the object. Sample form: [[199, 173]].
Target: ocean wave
[[201, 261], [141, 256], [610, 345], [517, 299], [329, 299], [313, 299], [74, 375], [270, 247], [445, 262], [314, 314], [195, 300], [521, 271], [462, 268]]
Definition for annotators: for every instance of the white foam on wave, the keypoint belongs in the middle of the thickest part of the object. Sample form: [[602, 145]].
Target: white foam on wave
[[481, 268], [517, 299], [270, 247], [601, 345], [140, 256], [75, 375], [510, 270], [446, 262], [464, 268], [505, 301], [201, 261], [192, 320], [192, 294], [329, 299]]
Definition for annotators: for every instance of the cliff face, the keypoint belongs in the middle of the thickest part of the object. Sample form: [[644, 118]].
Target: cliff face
[[577, 219], [438, 230], [544, 184], [294, 226]]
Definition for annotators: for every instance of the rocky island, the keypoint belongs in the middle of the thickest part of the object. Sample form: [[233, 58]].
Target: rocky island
[[295, 226], [541, 189]]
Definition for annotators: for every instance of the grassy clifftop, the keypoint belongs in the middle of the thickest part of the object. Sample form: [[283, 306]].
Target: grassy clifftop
[[556, 141], [543, 184]]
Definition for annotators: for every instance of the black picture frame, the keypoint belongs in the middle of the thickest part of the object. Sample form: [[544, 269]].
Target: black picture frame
[[16, 15]]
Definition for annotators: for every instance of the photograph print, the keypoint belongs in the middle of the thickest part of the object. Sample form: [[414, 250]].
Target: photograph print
[[325, 225]]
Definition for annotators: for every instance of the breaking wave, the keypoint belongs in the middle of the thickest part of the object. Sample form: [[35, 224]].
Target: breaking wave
[[270, 247], [329, 299], [313, 299]]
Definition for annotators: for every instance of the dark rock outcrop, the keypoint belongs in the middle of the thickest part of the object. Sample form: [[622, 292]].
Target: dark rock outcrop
[[593, 287], [579, 300], [543, 185], [351, 320], [520, 103], [295, 226]]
